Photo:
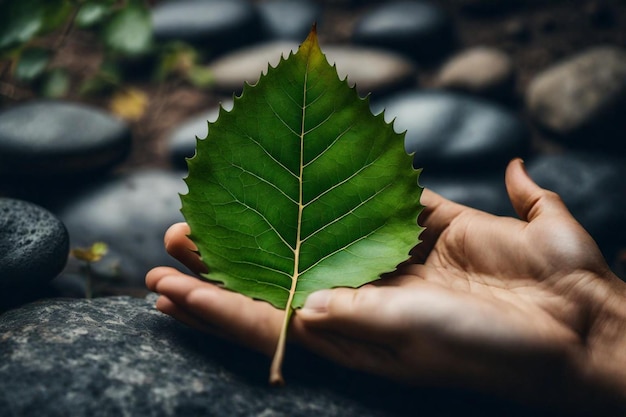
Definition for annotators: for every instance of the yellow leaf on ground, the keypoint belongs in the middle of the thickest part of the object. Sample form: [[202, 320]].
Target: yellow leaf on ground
[[91, 254], [129, 103]]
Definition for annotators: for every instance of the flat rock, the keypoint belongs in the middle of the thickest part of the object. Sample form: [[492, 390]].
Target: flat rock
[[375, 71], [454, 133], [181, 139], [130, 213], [592, 187], [214, 25], [118, 356], [34, 245], [45, 138], [289, 19], [419, 29], [583, 99], [482, 71]]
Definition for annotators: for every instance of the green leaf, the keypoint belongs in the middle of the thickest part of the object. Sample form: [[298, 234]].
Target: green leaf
[[300, 188], [56, 84], [129, 31], [32, 64], [20, 21], [93, 12]]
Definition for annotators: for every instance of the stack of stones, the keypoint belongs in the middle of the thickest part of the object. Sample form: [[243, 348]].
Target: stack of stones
[[466, 114]]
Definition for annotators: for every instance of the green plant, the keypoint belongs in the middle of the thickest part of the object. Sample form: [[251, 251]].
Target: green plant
[[32, 32]]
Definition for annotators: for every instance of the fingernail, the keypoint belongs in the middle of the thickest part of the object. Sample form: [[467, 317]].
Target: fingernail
[[318, 301]]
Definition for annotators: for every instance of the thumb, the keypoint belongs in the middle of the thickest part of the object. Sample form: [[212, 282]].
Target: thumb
[[529, 200]]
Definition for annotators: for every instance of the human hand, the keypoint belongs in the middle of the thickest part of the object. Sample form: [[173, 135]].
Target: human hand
[[524, 308]]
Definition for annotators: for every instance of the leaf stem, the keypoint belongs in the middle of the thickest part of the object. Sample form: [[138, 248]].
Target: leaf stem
[[276, 376]]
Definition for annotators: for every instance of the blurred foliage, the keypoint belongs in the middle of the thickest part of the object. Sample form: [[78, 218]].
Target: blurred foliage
[[33, 31]]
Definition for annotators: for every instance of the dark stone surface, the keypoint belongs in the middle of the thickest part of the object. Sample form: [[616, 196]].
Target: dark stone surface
[[118, 356], [419, 29], [130, 213], [289, 19], [213, 25], [593, 188], [454, 133], [181, 140], [486, 193], [46, 138], [34, 245]]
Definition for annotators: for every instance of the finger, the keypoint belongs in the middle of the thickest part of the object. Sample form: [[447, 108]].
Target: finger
[[178, 244], [243, 320], [362, 314], [156, 274], [529, 200], [167, 306]]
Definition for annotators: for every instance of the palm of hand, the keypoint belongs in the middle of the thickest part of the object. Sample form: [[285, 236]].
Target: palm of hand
[[480, 296]]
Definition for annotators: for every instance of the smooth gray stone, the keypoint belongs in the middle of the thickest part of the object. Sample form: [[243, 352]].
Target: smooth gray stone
[[420, 29], [46, 138], [289, 19], [582, 100], [181, 139], [130, 213], [34, 245], [118, 356], [592, 187], [453, 133], [213, 25], [373, 71]]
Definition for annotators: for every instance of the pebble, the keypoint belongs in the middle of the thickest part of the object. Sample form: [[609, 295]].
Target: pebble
[[181, 139], [119, 356], [130, 213], [592, 187], [583, 97], [48, 138], [482, 71], [373, 71], [214, 25], [34, 245], [455, 133], [419, 29], [289, 19]]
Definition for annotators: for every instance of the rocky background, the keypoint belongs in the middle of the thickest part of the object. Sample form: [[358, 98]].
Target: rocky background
[[474, 82]]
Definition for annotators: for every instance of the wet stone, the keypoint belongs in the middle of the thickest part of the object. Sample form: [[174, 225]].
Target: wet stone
[[482, 71], [419, 29], [289, 19], [373, 71], [583, 97], [454, 133], [130, 213], [592, 187], [47, 138], [181, 140], [34, 245], [215, 25], [119, 356]]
